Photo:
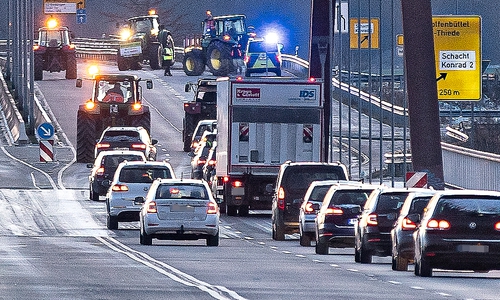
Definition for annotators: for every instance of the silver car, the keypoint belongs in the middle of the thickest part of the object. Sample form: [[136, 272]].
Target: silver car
[[179, 209], [132, 179]]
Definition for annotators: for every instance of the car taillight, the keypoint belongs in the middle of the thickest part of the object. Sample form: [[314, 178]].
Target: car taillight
[[102, 145], [119, 188], [36, 47], [309, 208], [372, 220], [151, 209], [139, 146], [237, 183], [335, 211], [408, 224], [434, 224], [100, 171], [281, 198], [212, 208], [497, 226]]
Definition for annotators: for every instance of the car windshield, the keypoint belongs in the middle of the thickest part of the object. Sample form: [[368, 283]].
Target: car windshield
[[390, 202], [114, 91], [468, 206], [345, 197], [184, 191], [143, 174], [144, 26], [300, 177], [121, 136]]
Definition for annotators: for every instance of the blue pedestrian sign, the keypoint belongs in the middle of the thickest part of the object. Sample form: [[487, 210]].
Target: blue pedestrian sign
[[45, 131], [81, 16]]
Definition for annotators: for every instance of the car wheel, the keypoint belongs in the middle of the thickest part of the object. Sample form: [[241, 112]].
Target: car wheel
[[365, 257], [145, 239], [279, 232], [111, 222], [213, 240], [305, 240], [424, 267], [321, 247], [400, 264], [356, 255], [94, 196]]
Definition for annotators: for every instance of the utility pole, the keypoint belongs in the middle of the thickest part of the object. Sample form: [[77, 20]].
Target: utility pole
[[425, 139], [319, 61]]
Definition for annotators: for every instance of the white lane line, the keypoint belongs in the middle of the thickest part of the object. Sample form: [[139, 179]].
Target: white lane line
[[169, 271]]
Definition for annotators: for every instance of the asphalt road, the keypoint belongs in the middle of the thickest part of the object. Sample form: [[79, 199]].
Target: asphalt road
[[54, 243]]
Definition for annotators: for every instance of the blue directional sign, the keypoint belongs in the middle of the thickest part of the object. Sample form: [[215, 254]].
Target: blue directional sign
[[81, 16], [45, 131]]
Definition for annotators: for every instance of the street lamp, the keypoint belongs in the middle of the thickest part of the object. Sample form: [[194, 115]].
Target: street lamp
[[270, 40]]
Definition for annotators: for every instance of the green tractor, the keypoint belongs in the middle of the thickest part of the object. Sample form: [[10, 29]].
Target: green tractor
[[143, 38], [220, 48]]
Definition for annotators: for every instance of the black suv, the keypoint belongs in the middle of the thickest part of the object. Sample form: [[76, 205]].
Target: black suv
[[373, 230], [127, 138], [291, 185]]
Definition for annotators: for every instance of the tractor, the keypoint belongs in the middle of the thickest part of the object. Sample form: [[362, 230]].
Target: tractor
[[116, 101], [53, 51], [220, 47], [143, 38]]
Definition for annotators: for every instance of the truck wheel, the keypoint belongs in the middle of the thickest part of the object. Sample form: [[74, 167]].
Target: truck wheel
[[193, 63], [38, 67], [278, 232], [143, 120], [243, 211], [219, 58], [135, 65], [231, 210], [86, 135], [71, 67], [156, 57], [122, 63]]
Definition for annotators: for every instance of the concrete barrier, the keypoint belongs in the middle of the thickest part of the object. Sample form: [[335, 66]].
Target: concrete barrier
[[12, 117]]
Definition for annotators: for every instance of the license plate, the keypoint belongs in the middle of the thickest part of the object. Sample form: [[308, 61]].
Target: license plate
[[351, 221], [181, 208], [473, 248]]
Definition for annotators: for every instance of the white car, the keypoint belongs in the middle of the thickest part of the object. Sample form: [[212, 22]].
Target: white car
[[132, 179], [179, 209]]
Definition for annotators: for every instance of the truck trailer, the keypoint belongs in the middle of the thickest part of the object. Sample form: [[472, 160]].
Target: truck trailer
[[262, 123]]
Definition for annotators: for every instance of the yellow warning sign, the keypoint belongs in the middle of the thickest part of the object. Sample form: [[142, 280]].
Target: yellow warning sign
[[364, 33], [457, 46]]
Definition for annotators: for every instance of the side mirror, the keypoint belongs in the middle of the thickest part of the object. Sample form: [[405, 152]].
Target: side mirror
[[415, 218], [187, 87], [149, 84], [90, 166], [106, 183], [191, 154], [79, 82], [154, 141]]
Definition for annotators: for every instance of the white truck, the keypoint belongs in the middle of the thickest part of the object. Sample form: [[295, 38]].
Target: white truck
[[263, 122]]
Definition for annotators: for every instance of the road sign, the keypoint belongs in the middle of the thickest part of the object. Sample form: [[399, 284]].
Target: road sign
[[364, 33], [45, 131], [457, 46], [416, 180], [81, 16], [47, 150], [62, 6], [340, 21]]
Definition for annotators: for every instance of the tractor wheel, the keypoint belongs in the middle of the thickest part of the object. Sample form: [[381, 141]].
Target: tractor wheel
[[71, 67], [135, 65], [122, 62], [219, 58], [193, 63], [38, 67], [156, 57], [189, 127], [143, 120], [86, 135]]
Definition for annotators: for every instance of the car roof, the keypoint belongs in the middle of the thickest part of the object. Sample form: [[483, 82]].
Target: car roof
[[120, 152], [467, 193], [206, 121], [181, 181], [146, 163], [123, 128]]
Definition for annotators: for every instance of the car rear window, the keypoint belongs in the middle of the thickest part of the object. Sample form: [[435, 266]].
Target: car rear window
[[418, 204], [112, 161], [143, 175], [390, 202], [318, 193], [181, 191], [342, 197], [468, 206], [262, 47], [121, 136], [300, 177]]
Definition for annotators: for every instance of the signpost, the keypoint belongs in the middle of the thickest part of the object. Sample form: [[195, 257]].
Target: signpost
[[81, 16], [364, 33], [457, 46], [46, 132]]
